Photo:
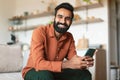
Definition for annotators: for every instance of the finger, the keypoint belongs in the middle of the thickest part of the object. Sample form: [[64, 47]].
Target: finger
[[89, 59], [83, 58], [90, 64], [83, 63]]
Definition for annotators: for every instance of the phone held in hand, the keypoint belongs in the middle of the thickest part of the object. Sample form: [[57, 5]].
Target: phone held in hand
[[90, 52]]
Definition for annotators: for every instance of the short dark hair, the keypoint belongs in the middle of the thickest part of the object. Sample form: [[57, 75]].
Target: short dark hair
[[67, 6]]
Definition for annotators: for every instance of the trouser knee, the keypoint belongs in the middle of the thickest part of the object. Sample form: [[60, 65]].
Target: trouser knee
[[86, 75], [45, 75], [38, 75]]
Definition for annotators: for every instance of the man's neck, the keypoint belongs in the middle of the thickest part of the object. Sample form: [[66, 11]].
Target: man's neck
[[57, 35]]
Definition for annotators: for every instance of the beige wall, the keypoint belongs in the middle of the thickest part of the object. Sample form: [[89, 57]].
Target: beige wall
[[7, 9]]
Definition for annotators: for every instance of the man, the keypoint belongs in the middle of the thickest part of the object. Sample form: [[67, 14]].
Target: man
[[50, 45]]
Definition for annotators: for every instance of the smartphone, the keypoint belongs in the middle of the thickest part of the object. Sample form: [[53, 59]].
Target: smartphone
[[90, 52]]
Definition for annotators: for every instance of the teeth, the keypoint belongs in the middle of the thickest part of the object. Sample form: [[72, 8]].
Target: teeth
[[61, 26]]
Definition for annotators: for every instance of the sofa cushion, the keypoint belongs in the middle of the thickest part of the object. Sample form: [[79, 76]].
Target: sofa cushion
[[11, 76], [11, 58]]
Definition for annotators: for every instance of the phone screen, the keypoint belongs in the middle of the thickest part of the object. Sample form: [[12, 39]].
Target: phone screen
[[90, 52]]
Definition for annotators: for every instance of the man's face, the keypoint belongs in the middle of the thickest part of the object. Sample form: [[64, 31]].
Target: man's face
[[63, 20]]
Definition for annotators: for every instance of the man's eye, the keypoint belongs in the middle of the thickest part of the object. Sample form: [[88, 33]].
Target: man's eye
[[68, 18], [60, 16]]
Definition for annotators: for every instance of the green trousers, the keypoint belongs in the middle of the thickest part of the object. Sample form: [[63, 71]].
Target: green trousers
[[66, 74]]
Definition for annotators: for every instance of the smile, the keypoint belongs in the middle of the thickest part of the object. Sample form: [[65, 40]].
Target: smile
[[61, 26]]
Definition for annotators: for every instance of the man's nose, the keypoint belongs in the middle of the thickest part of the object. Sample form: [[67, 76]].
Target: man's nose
[[63, 20]]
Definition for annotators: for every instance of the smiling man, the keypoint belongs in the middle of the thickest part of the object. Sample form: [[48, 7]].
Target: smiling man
[[50, 45]]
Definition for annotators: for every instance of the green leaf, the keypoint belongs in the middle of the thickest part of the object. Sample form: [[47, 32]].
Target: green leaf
[[87, 1]]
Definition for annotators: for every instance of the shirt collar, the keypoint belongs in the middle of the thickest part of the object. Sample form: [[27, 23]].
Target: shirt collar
[[51, 31]]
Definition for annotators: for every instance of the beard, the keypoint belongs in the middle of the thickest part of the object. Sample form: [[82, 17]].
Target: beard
[[59, 29]]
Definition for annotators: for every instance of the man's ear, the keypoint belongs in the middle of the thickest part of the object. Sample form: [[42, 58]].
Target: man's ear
[[71, 21]]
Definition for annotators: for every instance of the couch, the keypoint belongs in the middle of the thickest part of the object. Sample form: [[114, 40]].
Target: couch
[[12, 61]]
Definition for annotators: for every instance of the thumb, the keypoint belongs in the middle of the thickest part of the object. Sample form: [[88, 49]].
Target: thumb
[[83, 58]]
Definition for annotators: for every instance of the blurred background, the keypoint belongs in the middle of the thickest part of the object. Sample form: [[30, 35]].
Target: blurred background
[[95, 25]]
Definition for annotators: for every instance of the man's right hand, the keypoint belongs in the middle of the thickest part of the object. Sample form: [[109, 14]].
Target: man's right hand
[[76, 62]]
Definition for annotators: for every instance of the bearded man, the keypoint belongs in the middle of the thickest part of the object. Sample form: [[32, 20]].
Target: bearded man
[[51, 45]]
